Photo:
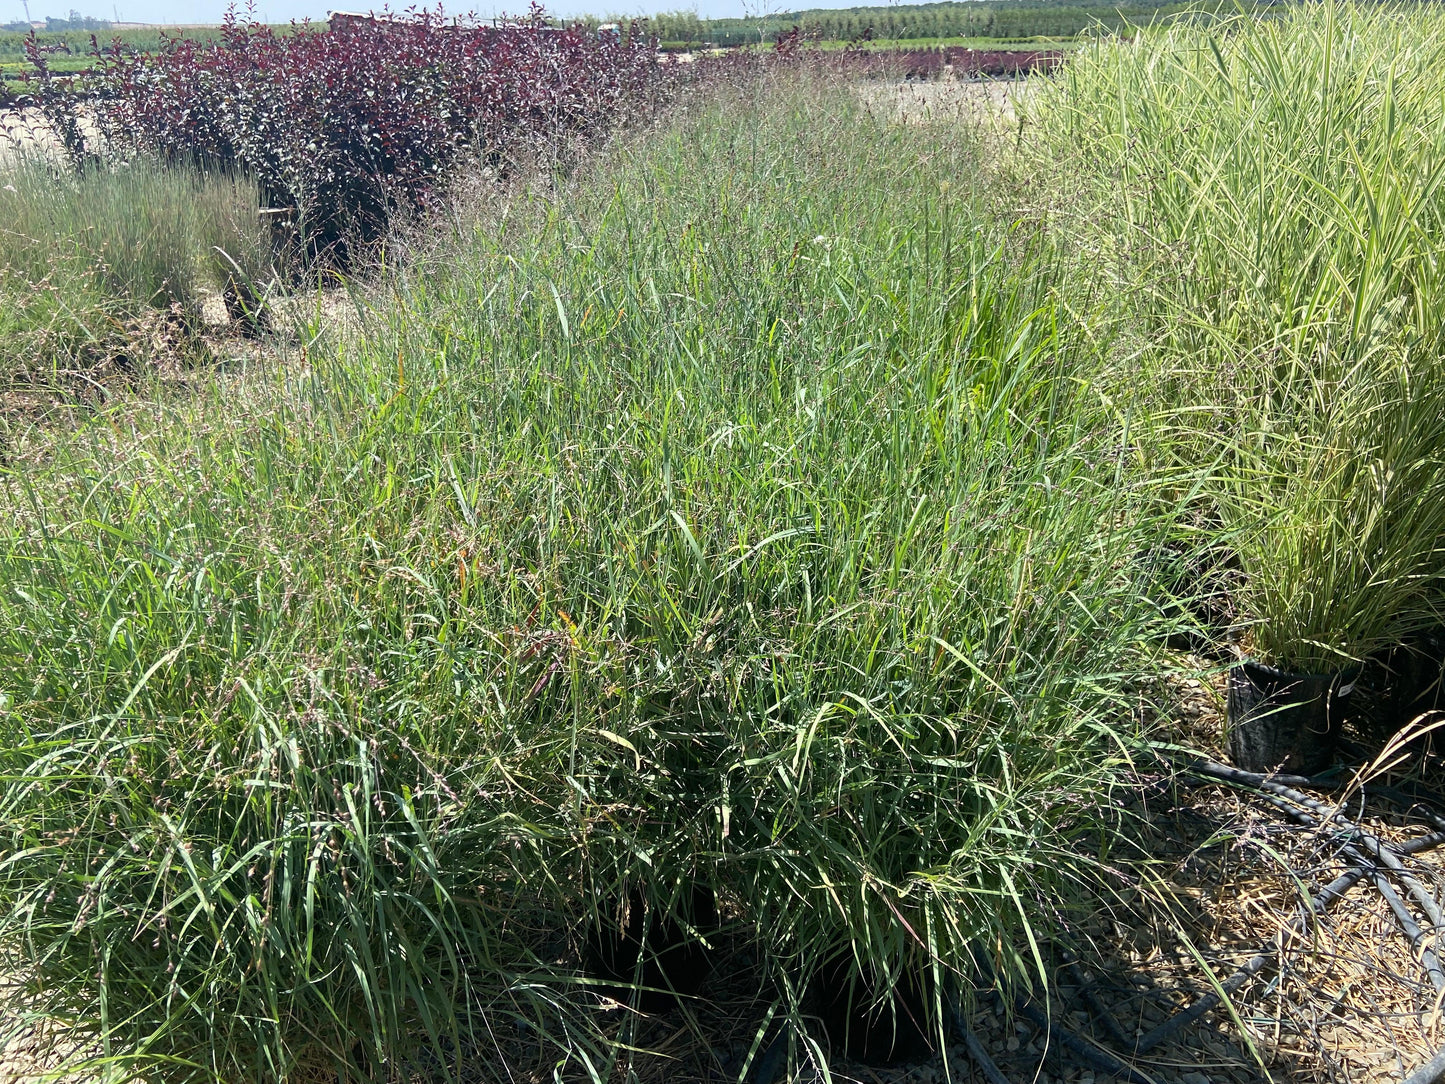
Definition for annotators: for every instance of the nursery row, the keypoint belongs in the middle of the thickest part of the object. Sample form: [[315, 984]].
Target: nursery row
[[766, 536], [1291, 315], [96, 263], [930, 63], [352, 127], [997, 19]]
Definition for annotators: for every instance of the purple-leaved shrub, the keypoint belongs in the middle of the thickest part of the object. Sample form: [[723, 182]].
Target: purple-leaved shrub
[[352, 124]]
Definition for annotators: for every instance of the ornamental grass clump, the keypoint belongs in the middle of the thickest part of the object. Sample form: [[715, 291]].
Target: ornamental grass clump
[[1339, 523], [1269, 196], [738, 518], [88, 255]]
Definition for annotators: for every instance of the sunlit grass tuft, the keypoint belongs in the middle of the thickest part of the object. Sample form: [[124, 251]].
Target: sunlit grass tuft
[[86, 257]]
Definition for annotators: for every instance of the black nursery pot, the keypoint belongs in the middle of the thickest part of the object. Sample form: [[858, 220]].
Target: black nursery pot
[[1282, 722], [869, 1030], [1402, 683], [653, 965]]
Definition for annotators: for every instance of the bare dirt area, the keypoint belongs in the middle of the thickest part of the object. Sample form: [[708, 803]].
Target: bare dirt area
[[26, 1053], [24, 131]]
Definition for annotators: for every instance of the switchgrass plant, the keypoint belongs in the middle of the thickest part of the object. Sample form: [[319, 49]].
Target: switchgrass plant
[[738, 514], [84, 253], [1269, 196]]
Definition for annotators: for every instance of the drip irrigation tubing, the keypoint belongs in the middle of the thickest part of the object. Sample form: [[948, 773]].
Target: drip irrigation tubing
[[1086, 1052], [1090, 1054], [1418, 803], [1366, 855], [1377, 850], [1432, 1072], [1362, 867], [1281, 793], [977, 1053], [1097, 1009], [1366, 867]]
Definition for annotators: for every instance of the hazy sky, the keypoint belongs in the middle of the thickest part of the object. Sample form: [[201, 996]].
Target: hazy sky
[[280, 11]]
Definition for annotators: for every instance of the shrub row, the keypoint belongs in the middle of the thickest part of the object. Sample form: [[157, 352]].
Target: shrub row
[[353, 125], [350, 126], [1293, 313], [923, 63]]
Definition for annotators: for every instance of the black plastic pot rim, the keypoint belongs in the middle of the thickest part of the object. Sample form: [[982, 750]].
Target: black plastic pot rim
[[1346, 675], [1350, 672]]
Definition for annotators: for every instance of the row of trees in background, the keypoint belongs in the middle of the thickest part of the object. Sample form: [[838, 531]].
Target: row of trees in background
[[75, 21], [1002, 19]]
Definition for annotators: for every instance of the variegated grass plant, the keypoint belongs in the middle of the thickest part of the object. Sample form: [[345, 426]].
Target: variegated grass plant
[[1267, 197]]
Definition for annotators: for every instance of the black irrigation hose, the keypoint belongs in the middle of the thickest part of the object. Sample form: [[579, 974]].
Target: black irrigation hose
[[977, 1052], [1362, 867], [1094, 1057], [1278, 792], [1152, 1038], [1351, 877], [1366, 867], [1097, 1009], [1377, 850], [1432, 1072], [1413, 931], [1411, 803], [1383, 854]]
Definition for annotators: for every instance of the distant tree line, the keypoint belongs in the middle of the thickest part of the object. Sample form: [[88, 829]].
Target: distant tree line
[[999, 19], [75, 21]]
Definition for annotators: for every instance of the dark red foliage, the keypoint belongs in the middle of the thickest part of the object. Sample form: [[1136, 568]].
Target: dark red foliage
[[351, 125], [53, 98], [928, 63], [1002, 62], [856, 62]]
